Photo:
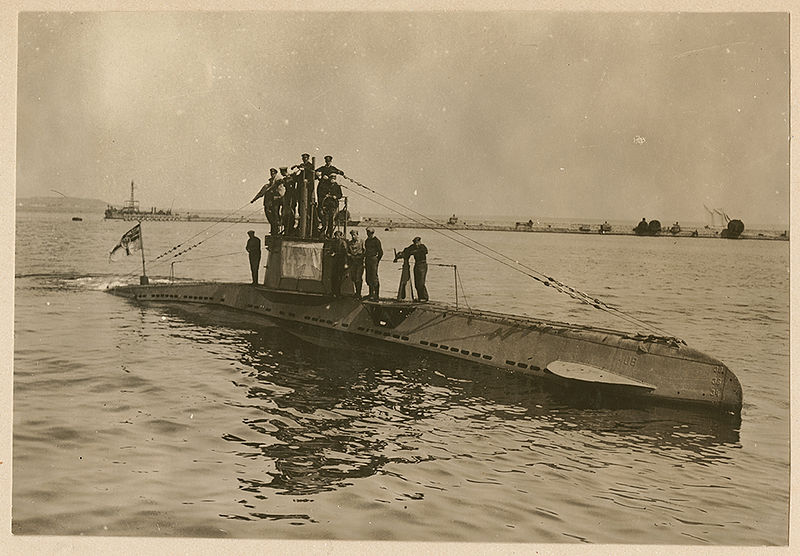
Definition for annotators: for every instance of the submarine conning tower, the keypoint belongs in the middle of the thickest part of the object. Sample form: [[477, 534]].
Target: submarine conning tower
[[300, 261], [302, 265]]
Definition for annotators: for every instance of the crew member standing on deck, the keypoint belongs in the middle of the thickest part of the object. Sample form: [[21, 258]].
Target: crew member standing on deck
[[254, 251], [373, 252], [405, 273], [355, 261], [339, 255], [418, 250]]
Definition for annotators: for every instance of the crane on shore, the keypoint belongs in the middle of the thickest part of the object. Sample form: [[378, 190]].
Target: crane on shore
[[723, 217]]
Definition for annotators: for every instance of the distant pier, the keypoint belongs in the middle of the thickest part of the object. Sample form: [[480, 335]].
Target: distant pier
[[576, 228], [384, 224]]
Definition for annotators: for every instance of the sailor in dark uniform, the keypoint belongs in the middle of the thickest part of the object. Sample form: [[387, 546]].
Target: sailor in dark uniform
[[267, 192], [418, 250], [330, 206], [373, 252], [254, 251], [355, 261], [339, 255], [305, 171], [324, 174], [405, 273], [288, 183]]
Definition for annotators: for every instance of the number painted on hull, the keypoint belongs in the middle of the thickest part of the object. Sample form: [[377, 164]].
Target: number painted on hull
[[628, 360], [717, 380]]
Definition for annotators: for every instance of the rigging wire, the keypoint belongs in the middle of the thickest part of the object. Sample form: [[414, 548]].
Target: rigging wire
[[200, 232], [463, 291], [155, 261], [187, 249], [209, 257], [542, 278]]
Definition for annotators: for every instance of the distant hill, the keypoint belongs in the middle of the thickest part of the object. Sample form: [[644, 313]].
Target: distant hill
[[60, 204]]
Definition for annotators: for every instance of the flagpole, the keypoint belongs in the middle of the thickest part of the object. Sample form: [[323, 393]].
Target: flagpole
[[143, 278]]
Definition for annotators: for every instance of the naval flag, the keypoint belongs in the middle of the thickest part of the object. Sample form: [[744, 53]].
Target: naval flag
[[131, 240]]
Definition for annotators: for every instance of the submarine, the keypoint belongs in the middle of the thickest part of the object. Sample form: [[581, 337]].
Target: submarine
[[602, 363]]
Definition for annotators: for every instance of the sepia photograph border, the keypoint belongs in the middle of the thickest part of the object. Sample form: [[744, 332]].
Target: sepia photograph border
[[10, 544]]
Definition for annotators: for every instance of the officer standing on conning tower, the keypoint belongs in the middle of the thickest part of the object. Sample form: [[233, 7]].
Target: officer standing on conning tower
[[267, 191], [323, 174]]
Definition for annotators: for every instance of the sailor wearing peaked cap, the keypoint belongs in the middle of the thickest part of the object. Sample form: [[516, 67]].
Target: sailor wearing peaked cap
[[355, 261], [253, 249], [324, 174], [373, 253], [269, 191], [418, 250]]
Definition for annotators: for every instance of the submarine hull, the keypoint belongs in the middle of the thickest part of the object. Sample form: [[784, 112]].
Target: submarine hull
[[601, 362]]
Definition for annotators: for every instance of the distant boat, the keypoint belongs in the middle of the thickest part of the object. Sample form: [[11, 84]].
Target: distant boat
[[130, 211], [77, 219]]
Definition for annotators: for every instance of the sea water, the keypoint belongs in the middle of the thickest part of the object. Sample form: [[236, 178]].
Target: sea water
[[156, 420]]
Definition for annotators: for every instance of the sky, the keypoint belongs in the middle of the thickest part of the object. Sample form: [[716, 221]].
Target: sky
[[615, 116]]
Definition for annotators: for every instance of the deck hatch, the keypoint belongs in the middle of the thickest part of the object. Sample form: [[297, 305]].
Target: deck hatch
[[388, 316]]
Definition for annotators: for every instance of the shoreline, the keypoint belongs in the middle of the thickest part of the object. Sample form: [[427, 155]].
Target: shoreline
[[576, 228], [388, 224]]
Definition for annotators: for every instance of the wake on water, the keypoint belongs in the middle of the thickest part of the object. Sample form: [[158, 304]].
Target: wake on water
[[97, 282]]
